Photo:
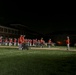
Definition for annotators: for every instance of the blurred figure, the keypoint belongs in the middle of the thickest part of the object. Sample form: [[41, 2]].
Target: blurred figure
[[49, 43], [10, 41], [38, 43], [23, 42], [6, 41], [15, 41], [42, 42], [0, 40], [68, 43], [20, 42], [26, 43]]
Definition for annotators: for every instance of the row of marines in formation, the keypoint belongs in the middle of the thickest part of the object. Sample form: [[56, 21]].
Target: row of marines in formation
[[23, 42]]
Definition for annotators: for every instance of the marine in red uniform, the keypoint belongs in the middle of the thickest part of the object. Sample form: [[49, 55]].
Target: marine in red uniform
[[23, 42], [49, 43], [0, 40], [68, 43], [15, 41], [41, 42], [10, 41], [34, 41], [20, 42], [6, 41]]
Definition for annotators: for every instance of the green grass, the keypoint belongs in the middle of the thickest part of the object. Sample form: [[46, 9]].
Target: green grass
[[37, 62]]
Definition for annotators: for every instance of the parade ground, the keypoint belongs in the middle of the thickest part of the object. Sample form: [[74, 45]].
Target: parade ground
[[37, 61], [64, 48]]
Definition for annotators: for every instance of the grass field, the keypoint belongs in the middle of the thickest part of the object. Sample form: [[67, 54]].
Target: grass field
[[37, 62]]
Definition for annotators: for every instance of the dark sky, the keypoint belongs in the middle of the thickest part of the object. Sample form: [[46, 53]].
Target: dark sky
[[42, 21]]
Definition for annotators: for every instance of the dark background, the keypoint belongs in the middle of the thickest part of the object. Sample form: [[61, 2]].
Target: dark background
[[46, 22], [40, 22]]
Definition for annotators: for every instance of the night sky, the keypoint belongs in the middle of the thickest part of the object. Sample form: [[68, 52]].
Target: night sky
[[43, 22]]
